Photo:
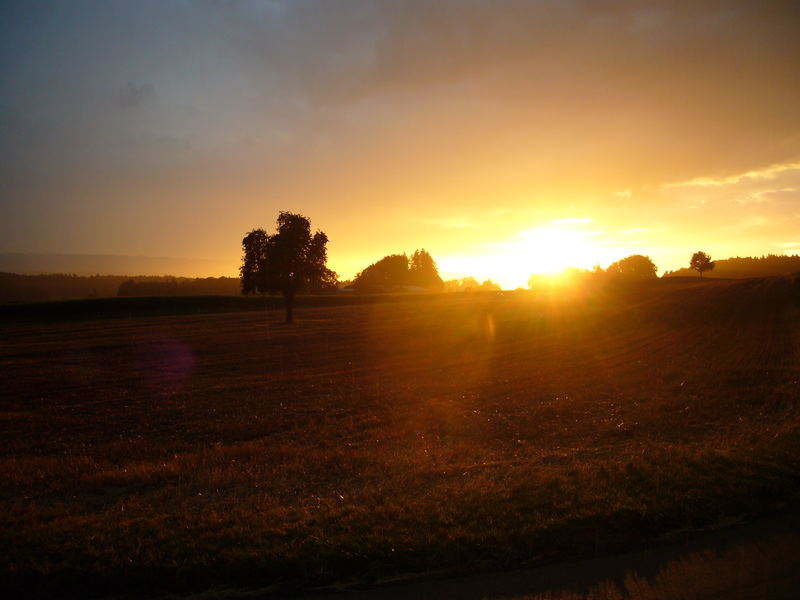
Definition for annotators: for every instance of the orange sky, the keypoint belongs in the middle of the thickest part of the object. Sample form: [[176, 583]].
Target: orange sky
[[504, 137]]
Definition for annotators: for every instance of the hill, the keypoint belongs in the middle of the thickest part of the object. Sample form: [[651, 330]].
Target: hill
[[111, 264], [772, 265], [38, 288]]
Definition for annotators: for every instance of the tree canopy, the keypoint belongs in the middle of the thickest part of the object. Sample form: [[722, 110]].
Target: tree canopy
[[422, 271], [634, 267], [389, 271], [398, 270], [286, 262], [701, 262]]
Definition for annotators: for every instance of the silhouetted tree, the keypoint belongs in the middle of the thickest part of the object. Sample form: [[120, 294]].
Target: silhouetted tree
[[253, 271], [467, 284], [287, 262], [635, 267], [422, 271], [400, 270], [461, 285], [389, 271], [701, 262]]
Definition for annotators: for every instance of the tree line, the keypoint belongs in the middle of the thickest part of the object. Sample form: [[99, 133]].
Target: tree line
[[636, 267], [179, 286], [470, 284], [292, 260], [770, 265]]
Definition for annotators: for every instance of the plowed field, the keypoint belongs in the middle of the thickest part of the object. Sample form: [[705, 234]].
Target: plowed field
[[460, 433]]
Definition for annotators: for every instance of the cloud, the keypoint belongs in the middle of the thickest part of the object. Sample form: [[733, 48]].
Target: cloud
[[555, 89], [132, 95], [770, 196], [742, 200], [355, 105], [766, 173]]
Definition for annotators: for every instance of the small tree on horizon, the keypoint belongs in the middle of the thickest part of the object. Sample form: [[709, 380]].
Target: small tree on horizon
[[701, 262], [287, 262]]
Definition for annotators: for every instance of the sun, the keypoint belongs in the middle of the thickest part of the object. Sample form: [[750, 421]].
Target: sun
[[550, 249], [547, 249]]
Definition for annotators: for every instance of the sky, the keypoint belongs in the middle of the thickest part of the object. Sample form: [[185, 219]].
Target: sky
[[505, 137]]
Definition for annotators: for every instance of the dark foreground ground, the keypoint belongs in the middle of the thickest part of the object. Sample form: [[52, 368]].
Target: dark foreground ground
[[751, 561], [145, 454]]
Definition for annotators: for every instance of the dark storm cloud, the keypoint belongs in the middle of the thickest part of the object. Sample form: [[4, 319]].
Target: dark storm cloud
[[667, 69], [668, 86], [350, 49]]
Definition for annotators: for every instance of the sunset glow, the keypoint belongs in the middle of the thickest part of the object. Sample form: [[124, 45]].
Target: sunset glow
[[504, 138], [547, 249], [552, 249]]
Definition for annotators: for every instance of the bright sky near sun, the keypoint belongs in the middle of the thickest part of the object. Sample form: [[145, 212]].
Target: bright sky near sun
[[506, 138]]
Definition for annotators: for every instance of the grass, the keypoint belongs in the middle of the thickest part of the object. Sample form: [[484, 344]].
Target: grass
[[756, 570], [177, 453]]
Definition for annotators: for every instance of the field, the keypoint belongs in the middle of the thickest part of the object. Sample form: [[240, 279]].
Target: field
[[452, 434]]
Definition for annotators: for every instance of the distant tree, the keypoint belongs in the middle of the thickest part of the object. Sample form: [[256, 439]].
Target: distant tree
[[461, 285], [287, 262], [400, 270], [635, 267], [389, 271], [422, 271], [701, 262], [467, 284], [490, 286]]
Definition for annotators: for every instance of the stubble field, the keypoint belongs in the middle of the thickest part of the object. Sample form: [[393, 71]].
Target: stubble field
[[366, 441]]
